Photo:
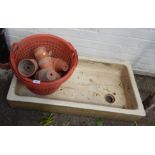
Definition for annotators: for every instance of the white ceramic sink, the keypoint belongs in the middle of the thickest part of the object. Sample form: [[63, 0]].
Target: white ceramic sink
[[104, 88]]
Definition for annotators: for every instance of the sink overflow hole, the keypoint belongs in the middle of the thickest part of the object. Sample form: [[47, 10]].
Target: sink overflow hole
[[110, 98]]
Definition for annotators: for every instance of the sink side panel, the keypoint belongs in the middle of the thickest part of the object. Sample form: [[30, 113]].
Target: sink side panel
[[128, 89]]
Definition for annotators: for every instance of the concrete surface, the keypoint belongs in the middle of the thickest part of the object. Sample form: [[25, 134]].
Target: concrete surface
[[9, 116]]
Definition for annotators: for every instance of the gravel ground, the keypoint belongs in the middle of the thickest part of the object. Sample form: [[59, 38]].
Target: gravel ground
[[19, 117]]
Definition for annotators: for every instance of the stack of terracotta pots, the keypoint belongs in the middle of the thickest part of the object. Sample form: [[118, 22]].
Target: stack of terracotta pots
[[45, 67]]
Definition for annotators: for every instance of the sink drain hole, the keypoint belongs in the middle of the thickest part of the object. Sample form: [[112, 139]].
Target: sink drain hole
[[110, 98]]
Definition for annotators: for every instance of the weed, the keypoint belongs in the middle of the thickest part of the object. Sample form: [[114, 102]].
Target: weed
[[47, 121], [99, 122]]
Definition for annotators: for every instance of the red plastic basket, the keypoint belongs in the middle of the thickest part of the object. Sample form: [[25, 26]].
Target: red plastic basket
[[60, 48]]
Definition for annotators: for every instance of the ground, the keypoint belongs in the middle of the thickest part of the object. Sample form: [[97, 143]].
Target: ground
[[10, 116]]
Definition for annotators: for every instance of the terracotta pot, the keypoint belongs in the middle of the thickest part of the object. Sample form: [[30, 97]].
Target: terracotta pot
[[47, 75], [55, 63], [59, 65], [45, 62], [50, 53], [27, 67], [40, 53]]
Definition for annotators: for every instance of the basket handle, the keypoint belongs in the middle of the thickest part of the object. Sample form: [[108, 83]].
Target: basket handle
[[74, 54], [71, 47]]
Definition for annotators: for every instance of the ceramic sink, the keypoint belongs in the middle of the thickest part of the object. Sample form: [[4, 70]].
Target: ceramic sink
[[98, 87]]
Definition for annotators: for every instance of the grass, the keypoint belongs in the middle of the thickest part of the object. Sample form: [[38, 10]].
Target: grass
[[99, 122], [47, 121]]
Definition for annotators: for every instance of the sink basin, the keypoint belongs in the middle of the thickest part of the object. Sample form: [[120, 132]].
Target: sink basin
[[98, 87]]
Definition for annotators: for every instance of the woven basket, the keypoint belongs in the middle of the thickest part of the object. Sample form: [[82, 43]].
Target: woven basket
[[60, 49]]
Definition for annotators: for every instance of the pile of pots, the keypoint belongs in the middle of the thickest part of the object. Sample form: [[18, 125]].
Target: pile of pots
[[44, 67]]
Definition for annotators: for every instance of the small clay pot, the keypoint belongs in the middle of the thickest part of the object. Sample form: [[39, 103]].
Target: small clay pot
[[27, 67], [59, 65], [47, 75], [45, 62], [55, 63], [40, 53]]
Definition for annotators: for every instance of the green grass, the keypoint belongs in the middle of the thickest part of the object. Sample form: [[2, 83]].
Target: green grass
[[47, 121], [99, 122]]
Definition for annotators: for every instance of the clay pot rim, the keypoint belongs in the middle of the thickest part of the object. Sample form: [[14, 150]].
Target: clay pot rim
[[27, 76], [49, 70]]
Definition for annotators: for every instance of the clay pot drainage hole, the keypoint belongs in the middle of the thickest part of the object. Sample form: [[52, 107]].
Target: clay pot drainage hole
[[27, 68], [110, 98]]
